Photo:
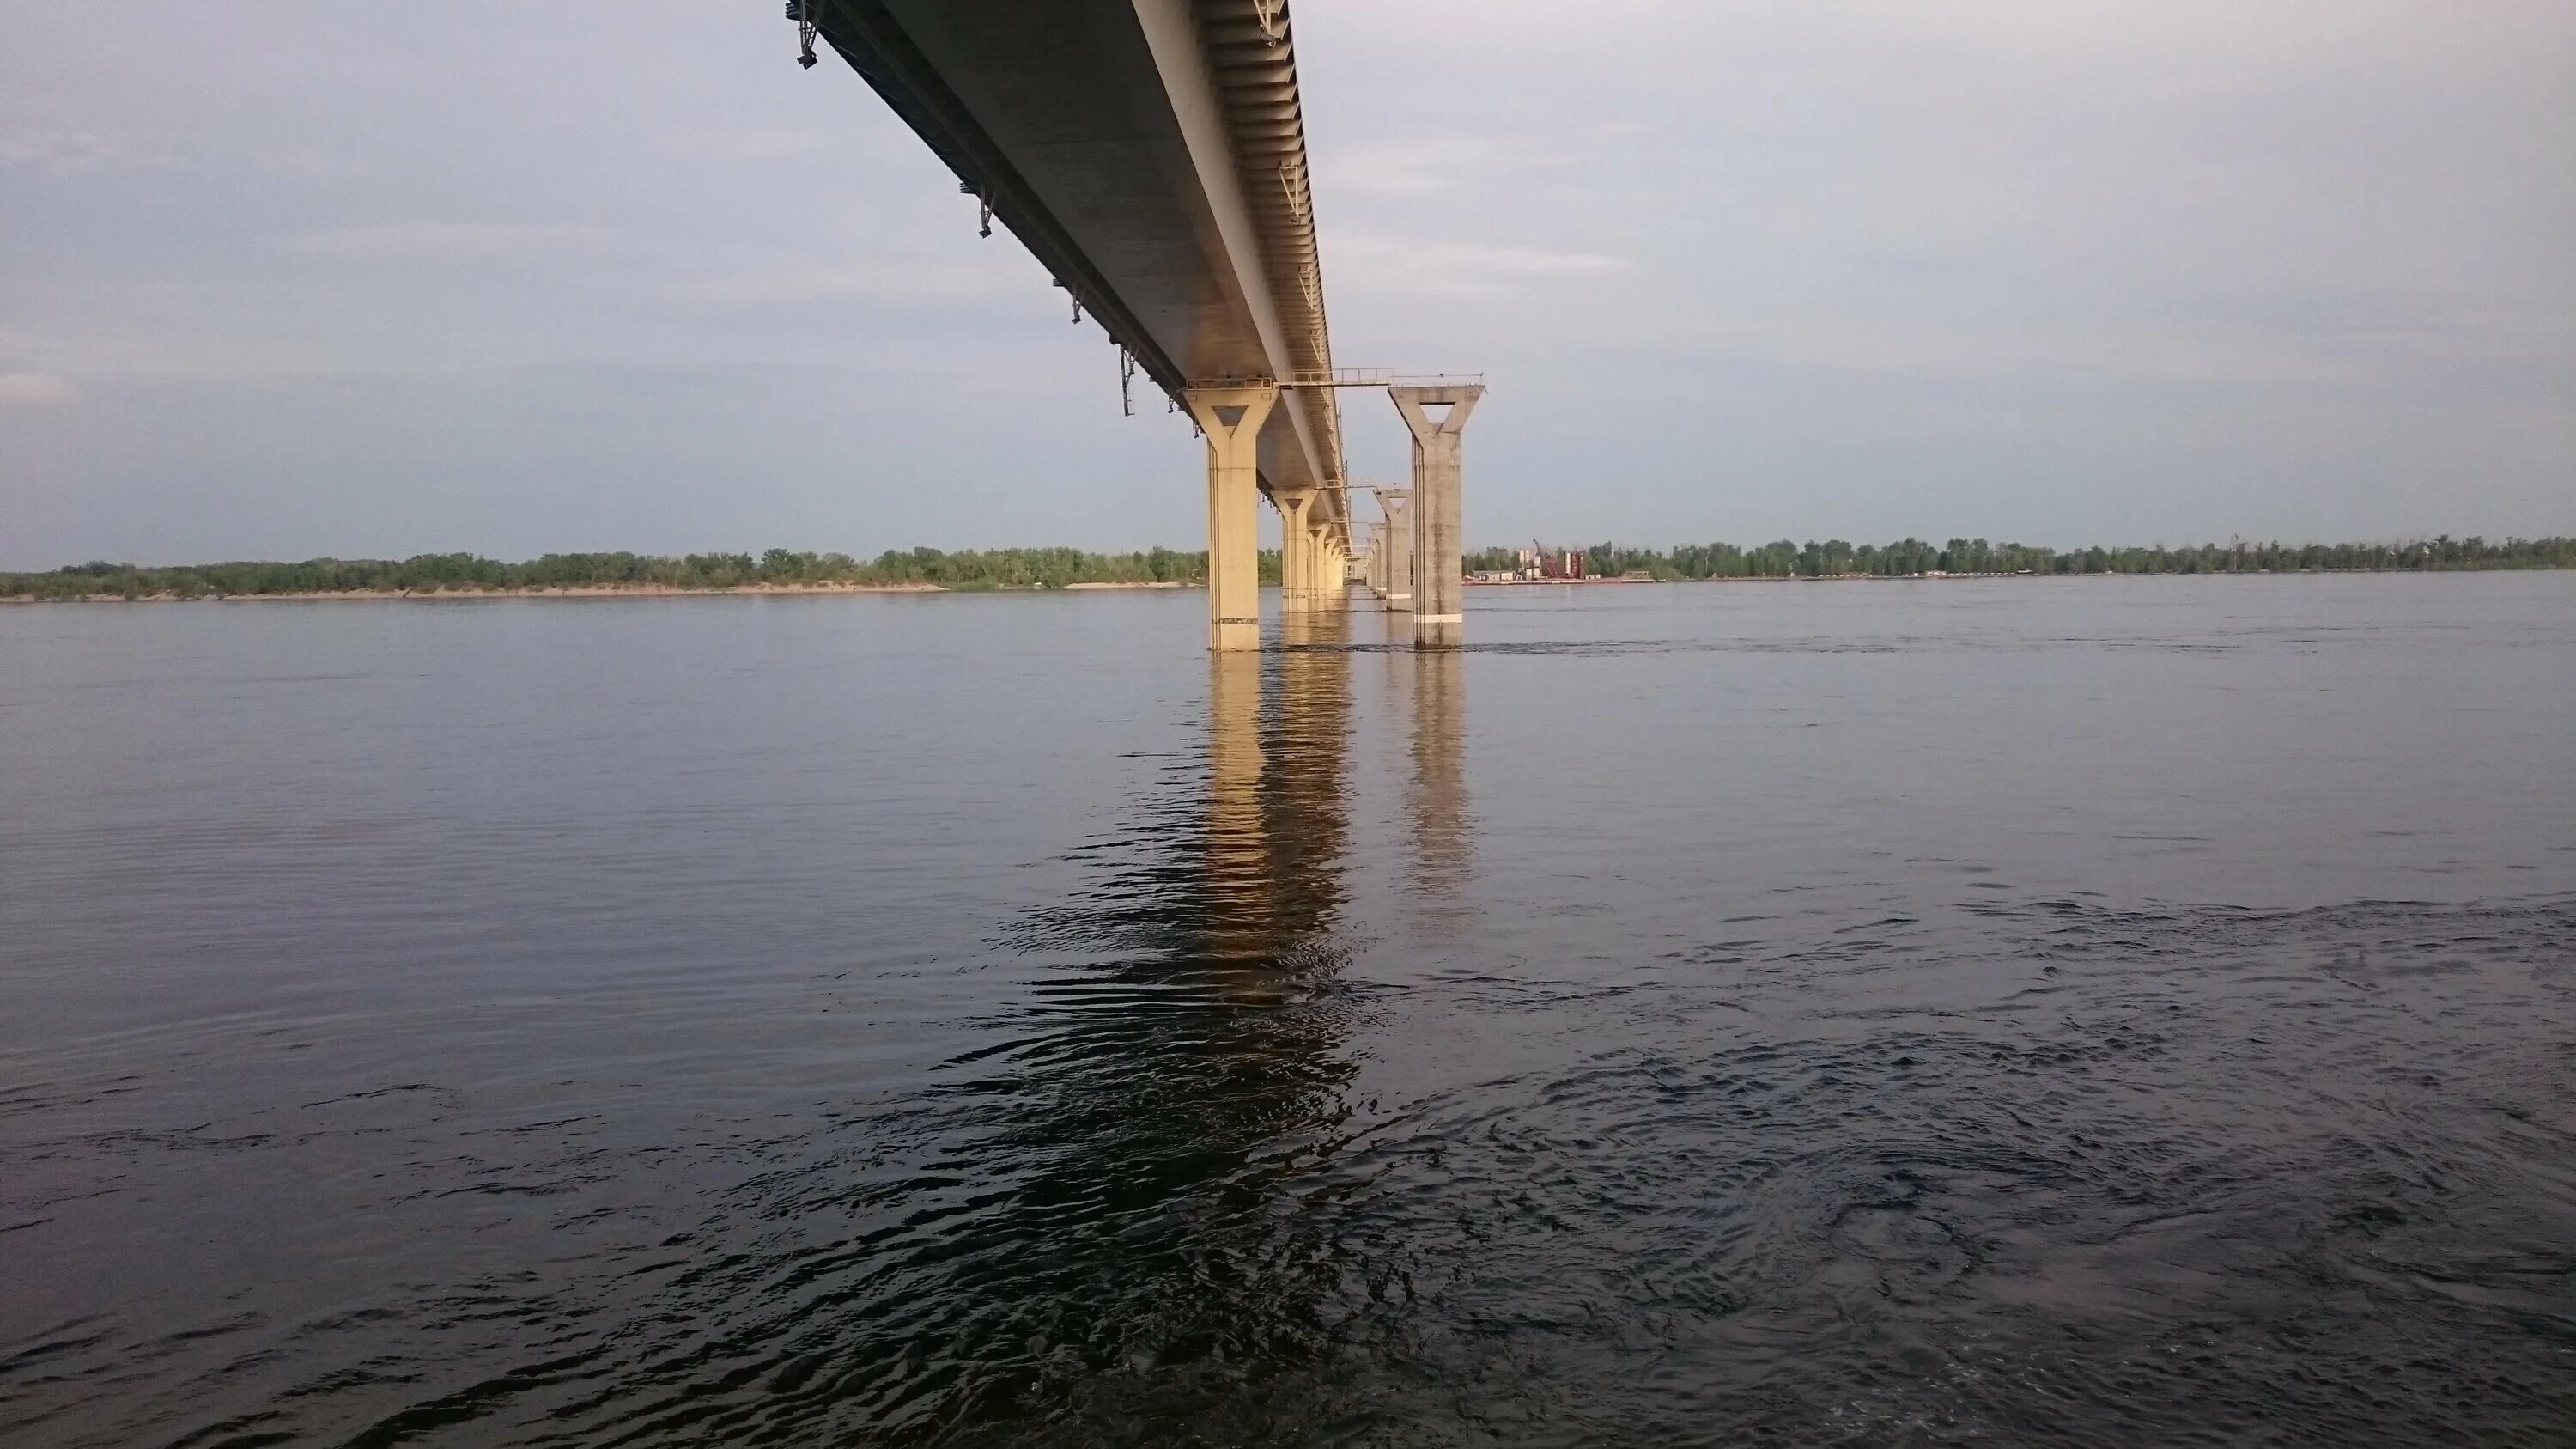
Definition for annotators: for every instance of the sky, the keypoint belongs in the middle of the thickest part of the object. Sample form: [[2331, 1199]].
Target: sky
[[298, 278]]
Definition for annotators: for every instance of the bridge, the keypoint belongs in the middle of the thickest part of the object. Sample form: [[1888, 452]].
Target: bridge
[[1152, 155]]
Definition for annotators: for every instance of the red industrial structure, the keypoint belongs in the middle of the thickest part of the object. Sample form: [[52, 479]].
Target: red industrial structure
[[1538, 561]]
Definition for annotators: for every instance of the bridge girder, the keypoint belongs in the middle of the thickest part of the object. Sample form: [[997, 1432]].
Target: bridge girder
[[1151, 153]]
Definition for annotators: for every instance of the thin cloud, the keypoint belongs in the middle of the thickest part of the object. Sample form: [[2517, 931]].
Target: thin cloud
[[447, 241], [879, 281], [1406, 168], [744, 145], [168, 349], [75, 152], [305, 165], [35, 390], [1458, 269]]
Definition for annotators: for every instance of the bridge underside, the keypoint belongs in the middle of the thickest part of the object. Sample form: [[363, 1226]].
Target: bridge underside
[[1151, 154]]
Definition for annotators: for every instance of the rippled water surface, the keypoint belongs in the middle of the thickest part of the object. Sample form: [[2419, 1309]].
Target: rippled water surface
[[2048, 1011]]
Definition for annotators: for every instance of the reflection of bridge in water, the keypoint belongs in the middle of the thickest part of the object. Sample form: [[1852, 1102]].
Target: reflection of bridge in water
[[1171, 1117], [1279, 737], [1130, 1207]]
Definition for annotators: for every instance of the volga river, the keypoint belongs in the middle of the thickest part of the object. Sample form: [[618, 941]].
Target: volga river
[[2021, 1012]]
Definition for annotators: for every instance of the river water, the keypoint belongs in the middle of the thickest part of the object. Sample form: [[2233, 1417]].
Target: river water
[[2093, 1012]]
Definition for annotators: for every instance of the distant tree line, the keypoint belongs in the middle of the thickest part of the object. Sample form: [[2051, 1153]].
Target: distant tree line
[[1005, 568], [1055, 568], [1908, 557]]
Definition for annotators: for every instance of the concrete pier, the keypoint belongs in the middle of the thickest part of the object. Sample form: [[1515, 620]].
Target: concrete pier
[[1231, 417], [1325, 575], [1296, 549], [1381, 557], [1437, 417], [1399, 554]]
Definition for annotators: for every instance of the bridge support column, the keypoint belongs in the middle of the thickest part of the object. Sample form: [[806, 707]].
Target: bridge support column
[[1439, 593], [1296, 550], [1231, 417], [1399, 555], [1323, 566]]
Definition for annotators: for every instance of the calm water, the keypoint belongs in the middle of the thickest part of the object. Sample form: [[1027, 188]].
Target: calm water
[[2080, 1012]]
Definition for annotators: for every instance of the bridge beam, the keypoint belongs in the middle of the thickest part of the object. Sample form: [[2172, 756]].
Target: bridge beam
[[1439, 593], [1231, 417], [1151, 154]]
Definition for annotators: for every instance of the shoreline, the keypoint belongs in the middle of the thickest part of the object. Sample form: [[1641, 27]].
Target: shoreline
[[569, 591], [672, 591]]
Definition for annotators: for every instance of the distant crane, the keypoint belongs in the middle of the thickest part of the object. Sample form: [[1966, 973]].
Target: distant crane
[[1538, 561]]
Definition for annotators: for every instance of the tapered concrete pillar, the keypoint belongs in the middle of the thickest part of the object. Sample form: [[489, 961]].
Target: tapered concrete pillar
[[1296, 550], [1399, 555], [1323, 565], [1231, 417], [1439, 594]]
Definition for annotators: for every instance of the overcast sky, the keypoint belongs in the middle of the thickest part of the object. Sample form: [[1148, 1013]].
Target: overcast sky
[[299, 278]]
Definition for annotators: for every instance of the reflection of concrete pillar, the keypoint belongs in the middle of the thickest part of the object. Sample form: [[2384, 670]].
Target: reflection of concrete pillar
[[1443, 845], [1395, 630], [1306, 818], [1231, 417], [1439, 618], [1296, 550], [1399, 554], [1236, 890]]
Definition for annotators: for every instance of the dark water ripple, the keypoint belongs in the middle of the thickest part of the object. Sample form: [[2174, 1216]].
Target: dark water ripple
[[1284, 1054]]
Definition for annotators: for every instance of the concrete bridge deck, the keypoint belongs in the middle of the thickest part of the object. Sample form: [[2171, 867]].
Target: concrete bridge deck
[[1152, 154]]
